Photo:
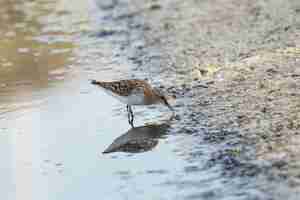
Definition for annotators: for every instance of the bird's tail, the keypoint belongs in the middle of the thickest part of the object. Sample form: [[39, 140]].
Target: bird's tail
[[99, 83], [104, 85], [94, 82]]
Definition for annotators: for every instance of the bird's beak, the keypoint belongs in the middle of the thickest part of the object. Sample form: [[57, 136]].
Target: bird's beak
[[168, 105]]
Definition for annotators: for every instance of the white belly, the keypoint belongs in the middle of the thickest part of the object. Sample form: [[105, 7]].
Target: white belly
[[133, 99]]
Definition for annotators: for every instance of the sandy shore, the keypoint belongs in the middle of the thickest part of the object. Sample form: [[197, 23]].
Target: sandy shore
[[248, 55]]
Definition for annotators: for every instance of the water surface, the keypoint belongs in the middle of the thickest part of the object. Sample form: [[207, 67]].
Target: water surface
[[54, 125]]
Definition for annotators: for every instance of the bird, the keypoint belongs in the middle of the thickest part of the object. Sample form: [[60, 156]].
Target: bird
[[138, 139], [133, 92]]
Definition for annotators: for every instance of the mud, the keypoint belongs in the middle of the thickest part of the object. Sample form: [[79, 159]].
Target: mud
[[233, 68]]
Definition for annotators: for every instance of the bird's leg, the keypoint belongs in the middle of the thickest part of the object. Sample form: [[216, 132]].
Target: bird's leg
[[132, 118], [130, 115]]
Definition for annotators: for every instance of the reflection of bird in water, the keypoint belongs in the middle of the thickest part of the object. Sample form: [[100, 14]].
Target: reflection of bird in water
[[133, 92], [138, 139]]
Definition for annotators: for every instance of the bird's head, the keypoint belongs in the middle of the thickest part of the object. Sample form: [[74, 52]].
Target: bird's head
[[162, 99]]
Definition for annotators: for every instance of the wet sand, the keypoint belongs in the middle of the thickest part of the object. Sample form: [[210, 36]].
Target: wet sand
[[246, 54]]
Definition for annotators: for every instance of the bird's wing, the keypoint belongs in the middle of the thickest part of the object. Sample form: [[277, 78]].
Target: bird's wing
[[122, 87]]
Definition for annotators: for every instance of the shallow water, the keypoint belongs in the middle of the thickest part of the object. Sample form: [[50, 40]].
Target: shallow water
[[54, 125]]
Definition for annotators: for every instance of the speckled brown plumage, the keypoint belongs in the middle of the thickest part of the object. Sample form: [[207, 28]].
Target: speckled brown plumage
[[133, 92], [125, 87]]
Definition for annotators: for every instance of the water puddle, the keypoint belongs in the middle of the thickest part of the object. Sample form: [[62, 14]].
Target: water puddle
[[54, 125]]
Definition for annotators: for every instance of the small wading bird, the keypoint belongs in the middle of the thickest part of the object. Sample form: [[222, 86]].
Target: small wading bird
[[133, 92]]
